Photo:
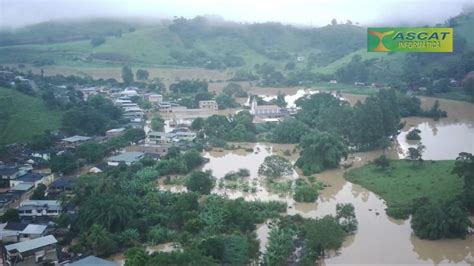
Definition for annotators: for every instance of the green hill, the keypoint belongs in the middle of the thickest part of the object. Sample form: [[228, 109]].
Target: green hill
[[200, 43], [23, 116], [196, 43]]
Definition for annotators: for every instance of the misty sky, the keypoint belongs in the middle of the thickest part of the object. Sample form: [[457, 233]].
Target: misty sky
[[14, 13]]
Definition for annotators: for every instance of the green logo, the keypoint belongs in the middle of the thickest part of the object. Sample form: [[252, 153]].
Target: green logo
[[410, 40]]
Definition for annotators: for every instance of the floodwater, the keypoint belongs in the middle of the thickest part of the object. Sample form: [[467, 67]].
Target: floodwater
[[379, 239], [444, 139]]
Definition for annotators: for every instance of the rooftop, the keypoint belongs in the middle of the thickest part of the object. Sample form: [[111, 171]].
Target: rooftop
[[50, 203], [77, 138], [4, 171], [93, 261], [22, 187], [116, 130], [63, 182], [14, 226], [31, 177], [35, 229], [32, 244], [130, 156]]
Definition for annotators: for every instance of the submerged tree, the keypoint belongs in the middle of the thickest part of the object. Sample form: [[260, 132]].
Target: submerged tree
[[345, 216], [321, 150], [441, 220], [275, 166]]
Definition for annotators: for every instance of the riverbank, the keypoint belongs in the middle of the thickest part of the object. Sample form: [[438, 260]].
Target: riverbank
[[404, 182]]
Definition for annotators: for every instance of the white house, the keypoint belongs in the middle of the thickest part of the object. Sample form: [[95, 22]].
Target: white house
[[35, 208], [39, 251], [155, 98], [210, 105], [156, 137], [129, 92], [264, 110]]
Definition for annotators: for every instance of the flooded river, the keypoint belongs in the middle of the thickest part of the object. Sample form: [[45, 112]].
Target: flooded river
[[379, 239]]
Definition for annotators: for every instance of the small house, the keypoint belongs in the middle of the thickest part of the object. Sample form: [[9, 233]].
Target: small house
[[39, 251], [209, 105], [39, 208], [127, 158], [33, 178]]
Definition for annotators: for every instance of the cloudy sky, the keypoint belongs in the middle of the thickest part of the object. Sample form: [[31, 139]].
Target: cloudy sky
[[14, 13]]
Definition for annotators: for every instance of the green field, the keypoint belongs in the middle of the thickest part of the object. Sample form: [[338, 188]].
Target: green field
[[26, 117], [403, 182]]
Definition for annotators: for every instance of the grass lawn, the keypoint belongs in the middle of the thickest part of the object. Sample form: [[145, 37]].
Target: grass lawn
[[403, 182], [27, 116]]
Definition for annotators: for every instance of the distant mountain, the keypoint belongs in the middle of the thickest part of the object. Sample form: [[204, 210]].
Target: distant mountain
[[216, 45]]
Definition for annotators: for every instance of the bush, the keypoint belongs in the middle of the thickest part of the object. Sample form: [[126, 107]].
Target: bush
[[382, 162], [305, 193], [414, 134]]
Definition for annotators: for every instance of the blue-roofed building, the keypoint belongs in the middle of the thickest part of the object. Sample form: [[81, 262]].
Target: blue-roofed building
[[62, 184], [33, 178], [92, 261]]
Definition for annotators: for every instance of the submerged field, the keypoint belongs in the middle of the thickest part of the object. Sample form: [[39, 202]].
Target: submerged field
[[22, 116], [403, 182]]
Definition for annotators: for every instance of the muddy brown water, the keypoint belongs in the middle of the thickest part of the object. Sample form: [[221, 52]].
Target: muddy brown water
[[379, 239]]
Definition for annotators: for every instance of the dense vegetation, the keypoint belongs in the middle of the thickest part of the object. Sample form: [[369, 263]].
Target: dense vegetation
[[122, 208]]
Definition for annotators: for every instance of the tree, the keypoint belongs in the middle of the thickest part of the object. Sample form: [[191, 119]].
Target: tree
[[305, 192], [136, 257], [189, 86], [275, 166], [280, 246], [129, 238], [193, 159], [99, 241], [39, 192], [41, 141], [225, 101], [289, 131], [92, 152], [197, 124], [280, 100], [10, 215], [142, 74], [235, 90], [464, 167], [322, 235], [414, 134], [65, 163], [201, 182], [157, 123], [321, 150], [346, 217], [382, 162], [415, 154], [333, 21], [127, 75], [440, 220]]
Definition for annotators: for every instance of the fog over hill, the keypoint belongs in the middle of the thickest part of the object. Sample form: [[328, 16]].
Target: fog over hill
[[17, 13]]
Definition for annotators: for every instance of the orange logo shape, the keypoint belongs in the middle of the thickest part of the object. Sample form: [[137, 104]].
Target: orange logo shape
[[380, 35]]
